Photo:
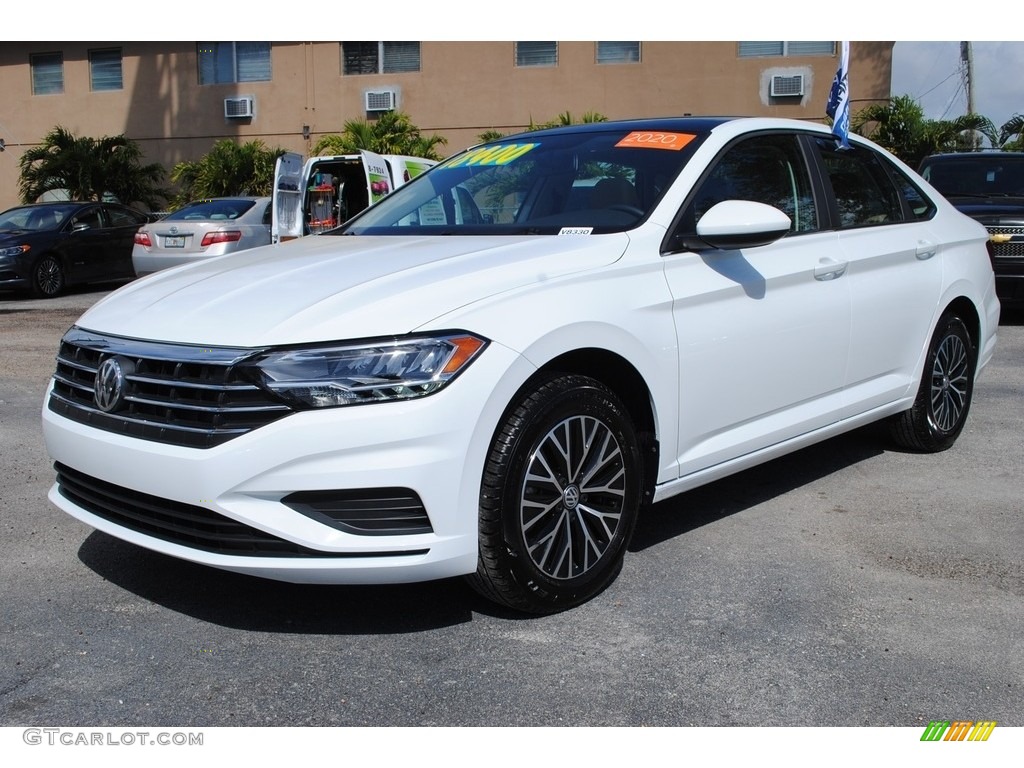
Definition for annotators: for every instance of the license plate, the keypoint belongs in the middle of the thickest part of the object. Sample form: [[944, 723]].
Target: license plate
[[174, 242]]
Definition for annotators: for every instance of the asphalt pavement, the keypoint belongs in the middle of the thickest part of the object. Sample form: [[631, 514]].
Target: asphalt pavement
[[849, 584]]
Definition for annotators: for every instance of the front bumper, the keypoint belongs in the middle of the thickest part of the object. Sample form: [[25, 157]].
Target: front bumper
[[434, 446]]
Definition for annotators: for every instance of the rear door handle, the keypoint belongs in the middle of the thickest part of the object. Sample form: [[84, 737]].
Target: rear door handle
[[925, 250]]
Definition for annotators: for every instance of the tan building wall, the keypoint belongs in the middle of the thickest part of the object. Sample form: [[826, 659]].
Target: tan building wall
[[461, 90]]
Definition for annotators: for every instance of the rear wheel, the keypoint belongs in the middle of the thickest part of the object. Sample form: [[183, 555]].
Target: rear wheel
[[939, 413], [559, 498], [47, 277]]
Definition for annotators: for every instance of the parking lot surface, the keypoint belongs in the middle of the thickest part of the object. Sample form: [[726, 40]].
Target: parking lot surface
[[848, 584]]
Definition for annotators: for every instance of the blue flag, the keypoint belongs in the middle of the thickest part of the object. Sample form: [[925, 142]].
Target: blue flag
[[838, 107]]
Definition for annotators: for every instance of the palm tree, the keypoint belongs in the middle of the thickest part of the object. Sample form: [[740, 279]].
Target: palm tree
[[227, 169], [901, 127], [392, 134], [565, 118], [88, 169], [1010, 136]]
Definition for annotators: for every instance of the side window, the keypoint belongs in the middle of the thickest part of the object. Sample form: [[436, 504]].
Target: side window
[[119, 217], [766, 169], [87, 219], [865, 194], [921, 208]]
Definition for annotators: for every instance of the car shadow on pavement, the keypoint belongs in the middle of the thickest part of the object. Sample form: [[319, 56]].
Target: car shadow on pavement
[[722, 498], [250, 603]]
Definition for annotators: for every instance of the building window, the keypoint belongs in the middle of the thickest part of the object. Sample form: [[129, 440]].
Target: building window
[[618, 53], [233, 62], [790, 48], [47, 73], [534, 54], [105, 70], [374, 58]]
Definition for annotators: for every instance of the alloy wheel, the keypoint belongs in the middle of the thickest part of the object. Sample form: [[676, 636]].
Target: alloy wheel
[[573, 496], [950, 377]]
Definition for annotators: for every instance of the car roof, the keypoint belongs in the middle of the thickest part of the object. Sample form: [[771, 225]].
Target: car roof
[[59, 204], [978, 153], [201, 200], [683, 124]]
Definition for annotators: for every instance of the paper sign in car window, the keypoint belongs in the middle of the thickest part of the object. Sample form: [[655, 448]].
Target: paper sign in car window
[[656, 140], [502, 154]]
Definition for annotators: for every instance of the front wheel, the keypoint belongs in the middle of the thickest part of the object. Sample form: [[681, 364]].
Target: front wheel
[[939, 413], [47, 277], [559, 498]]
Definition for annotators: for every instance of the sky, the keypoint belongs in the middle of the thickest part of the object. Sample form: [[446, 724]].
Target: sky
[[932, 74]]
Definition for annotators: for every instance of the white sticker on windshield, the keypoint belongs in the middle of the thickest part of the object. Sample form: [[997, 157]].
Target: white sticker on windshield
[[575, 230]]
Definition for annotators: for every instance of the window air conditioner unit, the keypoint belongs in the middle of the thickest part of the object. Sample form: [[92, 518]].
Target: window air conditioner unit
[[381, 101], [783, 85], [242, 106]]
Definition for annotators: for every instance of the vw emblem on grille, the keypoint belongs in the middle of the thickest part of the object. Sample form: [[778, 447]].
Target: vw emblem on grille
[[108, 390]]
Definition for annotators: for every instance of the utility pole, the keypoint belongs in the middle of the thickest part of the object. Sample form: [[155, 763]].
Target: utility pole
[[967, 57], [967, 60]]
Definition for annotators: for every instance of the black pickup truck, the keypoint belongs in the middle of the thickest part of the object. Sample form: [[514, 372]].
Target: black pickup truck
[[988, 186]]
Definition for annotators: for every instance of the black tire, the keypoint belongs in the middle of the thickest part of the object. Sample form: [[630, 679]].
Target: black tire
[[943, 401], [559, 498], [47, 277]]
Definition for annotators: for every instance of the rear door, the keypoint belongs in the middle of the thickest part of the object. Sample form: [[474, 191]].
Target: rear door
[[404, 169], [287, 220], [378, 177], [894, 272], [120, 224]]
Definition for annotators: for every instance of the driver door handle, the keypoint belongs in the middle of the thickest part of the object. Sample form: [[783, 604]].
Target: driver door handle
[[829, 269]]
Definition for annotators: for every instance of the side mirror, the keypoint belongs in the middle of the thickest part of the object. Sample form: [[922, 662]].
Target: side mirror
[[736, 224]]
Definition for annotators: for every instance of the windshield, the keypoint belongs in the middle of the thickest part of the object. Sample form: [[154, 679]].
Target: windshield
[[586, 181], [982, 174], [44, 218], [211, 210]]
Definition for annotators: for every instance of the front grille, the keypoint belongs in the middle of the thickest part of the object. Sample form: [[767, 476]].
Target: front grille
[[185, 524], [173, 393], [1013, 249], [364, 511]]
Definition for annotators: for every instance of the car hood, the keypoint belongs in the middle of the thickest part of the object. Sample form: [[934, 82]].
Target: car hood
[[991, 210], [23, 235], [337, 287]]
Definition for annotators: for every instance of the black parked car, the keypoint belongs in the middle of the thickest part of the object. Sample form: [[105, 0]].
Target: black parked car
[[45, 247], [989, 187]]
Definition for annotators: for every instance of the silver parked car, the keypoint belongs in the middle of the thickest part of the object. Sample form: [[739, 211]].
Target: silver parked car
[[202, 229]]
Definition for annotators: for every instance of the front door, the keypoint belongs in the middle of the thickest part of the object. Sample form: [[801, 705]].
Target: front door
[[763, 332]]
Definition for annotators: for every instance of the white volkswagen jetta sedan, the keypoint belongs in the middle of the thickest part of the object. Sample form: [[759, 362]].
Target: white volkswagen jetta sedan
[[496, 369]]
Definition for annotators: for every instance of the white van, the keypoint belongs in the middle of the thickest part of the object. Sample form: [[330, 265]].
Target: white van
[[319, 194]]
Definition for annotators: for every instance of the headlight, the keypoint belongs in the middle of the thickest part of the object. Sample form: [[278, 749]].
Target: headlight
[[396, 369], [15, 250]]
